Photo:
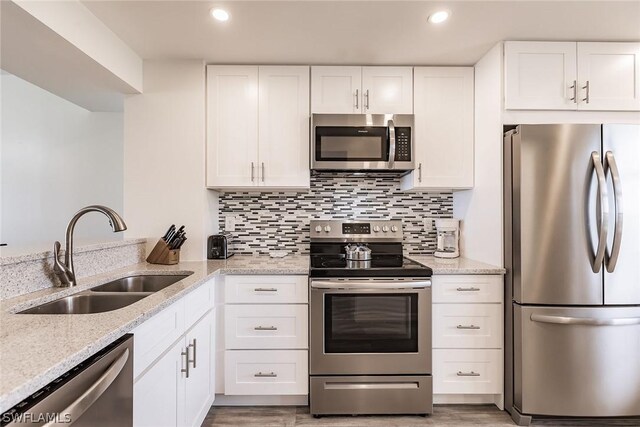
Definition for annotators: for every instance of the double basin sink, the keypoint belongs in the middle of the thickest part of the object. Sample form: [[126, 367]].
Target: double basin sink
[[110, 296]]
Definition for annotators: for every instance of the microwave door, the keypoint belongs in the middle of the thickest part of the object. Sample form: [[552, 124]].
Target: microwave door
[[351, 147]]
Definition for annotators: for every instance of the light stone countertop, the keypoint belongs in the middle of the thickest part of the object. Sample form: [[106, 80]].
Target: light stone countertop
[[35, 348], [459, 265]]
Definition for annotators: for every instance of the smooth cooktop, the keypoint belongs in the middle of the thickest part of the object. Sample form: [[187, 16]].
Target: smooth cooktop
[[325, 265]]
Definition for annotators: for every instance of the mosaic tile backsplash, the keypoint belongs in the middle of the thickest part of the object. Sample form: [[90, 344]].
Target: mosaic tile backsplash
[[280, 220]]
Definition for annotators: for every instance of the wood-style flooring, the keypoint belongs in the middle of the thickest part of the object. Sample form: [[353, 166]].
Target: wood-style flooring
[[444, 415]]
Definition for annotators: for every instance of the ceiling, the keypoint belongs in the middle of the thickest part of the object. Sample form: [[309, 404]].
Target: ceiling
[[356, 32]]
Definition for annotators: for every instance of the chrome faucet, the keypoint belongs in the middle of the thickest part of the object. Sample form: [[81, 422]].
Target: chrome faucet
[[65, 272]]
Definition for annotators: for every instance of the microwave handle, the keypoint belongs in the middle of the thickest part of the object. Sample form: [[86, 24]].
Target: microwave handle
[[392, 143]]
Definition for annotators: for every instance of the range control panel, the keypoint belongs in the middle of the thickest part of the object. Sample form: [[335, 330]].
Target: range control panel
[[403, 144], [356, 230]]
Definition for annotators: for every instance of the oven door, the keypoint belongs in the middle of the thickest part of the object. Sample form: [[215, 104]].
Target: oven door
[[361, 327]]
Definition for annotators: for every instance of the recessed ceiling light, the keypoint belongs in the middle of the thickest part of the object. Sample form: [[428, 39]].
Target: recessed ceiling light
[[220, 14], [439, 17]]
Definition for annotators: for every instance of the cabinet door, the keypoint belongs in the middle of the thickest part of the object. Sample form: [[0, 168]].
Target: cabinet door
[[199, 387], [609, 76], [284, 127], [232, 126], [336, 90], [540, 75], [158, 395], [387, 90], [443, 136]]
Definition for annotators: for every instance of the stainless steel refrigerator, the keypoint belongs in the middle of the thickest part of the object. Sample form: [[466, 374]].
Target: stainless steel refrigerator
[[572, 253]]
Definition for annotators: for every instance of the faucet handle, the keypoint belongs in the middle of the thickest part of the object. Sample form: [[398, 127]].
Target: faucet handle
[[60, 269]]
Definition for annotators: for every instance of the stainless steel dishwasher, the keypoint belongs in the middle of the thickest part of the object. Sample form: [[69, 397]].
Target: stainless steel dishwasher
[[97, 392]]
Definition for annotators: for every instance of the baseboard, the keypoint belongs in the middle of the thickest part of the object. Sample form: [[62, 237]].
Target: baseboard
[[468, 399], [296, 400]]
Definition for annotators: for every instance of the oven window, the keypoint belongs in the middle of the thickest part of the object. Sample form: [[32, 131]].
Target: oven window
[[352, 144], [371, 323]]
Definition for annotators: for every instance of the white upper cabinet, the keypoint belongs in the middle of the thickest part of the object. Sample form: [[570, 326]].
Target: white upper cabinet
[[257, 127], [283, 142], [572, 76], [443, 132], [609, 76], [336, 90], [371, 90], [540, 75], [387, 90], [232, 126]]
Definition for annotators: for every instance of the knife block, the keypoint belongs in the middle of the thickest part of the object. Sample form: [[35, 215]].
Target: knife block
[[162, 254]]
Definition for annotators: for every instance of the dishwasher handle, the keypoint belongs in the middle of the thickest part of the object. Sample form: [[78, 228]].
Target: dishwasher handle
[[92, 394]]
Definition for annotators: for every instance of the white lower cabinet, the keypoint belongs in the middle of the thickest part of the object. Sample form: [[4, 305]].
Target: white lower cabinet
[[176, 388], [468, 338], [266, 338], [266, 372], [467, 371]]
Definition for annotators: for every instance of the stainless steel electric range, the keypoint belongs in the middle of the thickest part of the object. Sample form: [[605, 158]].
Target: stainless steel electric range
[[370, 321]]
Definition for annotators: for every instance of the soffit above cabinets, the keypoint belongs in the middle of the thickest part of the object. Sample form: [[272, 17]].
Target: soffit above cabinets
[[63, 48]]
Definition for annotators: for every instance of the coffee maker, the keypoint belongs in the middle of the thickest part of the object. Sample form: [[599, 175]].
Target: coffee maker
[[448, 238]]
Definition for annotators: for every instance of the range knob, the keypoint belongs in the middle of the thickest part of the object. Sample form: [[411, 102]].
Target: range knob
[[318, 228], [327, 228], [385, 228], [394, 228], [376, 228]]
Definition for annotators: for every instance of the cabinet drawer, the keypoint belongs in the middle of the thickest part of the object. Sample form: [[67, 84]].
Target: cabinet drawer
[[155, 335], [266, 289], [266, 372], [467, 326], [266, 326], [467, 371], [467, 288], [198, 302]]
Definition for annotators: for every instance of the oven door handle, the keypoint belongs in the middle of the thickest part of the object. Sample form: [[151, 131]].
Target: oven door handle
[[371, 286]]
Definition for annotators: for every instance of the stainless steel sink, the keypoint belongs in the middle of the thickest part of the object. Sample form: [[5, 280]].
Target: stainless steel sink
[[145, 283], [86, 303]]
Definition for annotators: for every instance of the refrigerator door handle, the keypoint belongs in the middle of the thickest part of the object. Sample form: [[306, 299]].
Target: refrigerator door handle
[[611, 258], [588, 321], [603, 212]]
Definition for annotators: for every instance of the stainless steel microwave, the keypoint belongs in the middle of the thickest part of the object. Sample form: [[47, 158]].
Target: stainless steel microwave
[[381, 142]]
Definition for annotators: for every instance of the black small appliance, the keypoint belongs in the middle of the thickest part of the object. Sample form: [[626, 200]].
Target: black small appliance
[[219, 246]]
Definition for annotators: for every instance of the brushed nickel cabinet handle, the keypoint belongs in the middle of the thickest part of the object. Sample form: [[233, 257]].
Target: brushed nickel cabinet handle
[[366, 95], [471, 289], [193, 346], [262, 171], [265, 375], [586, 87], [467, 327], [357, 103], [265, 328], [185, 353], [419, 172], [575, 92], [266, 290], [252, 171], [467, 374]]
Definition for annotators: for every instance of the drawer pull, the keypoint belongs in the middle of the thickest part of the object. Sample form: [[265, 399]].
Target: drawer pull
[[266, 290], [265, 328], [266, 375], [468, 327], [468, 374], [471, 289]]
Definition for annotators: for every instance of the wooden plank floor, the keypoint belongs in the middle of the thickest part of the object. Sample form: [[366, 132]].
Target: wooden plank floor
[[444, 415]]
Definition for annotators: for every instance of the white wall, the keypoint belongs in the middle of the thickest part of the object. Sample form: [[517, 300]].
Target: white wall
[[56, 158], [481, 208], [164, 167]]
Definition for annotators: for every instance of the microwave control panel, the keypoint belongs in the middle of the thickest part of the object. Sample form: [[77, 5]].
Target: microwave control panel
[[403, 144]]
